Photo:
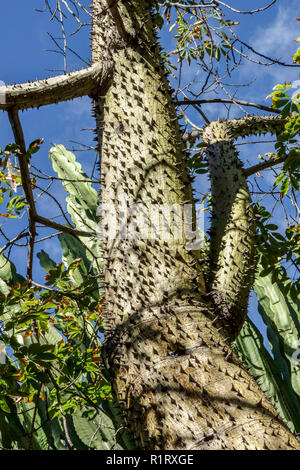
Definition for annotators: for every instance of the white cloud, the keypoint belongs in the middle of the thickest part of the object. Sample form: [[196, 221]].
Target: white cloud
[[53, 248], [275, 39], [78, 108]]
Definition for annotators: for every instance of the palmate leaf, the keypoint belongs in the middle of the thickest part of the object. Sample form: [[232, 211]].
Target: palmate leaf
[[8, 278], [45, 261], [12, 433], [16, 422]]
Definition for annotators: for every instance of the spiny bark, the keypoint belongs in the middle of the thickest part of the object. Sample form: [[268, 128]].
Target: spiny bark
[[233, 235], [233, 228], [55, 89], [250, 125], [176, 380]]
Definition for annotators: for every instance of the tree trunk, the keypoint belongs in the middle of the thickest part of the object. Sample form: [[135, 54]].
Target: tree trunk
[[174, 376]]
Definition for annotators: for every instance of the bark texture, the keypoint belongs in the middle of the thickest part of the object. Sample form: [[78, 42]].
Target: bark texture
[[55, 89], [233, 228], [175, 378]]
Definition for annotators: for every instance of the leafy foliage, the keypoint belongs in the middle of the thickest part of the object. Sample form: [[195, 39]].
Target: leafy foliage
[[287, 142], [202, 35], [55, 391], [278, 249]]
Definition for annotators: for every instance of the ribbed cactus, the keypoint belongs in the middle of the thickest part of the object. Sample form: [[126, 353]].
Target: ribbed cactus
[[82, 202], [281, 315], [251, 350]]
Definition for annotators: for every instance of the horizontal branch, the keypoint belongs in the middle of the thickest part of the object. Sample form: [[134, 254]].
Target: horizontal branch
[[255, 125], [227, 101], [263, 166], [55, 89], [249, 125], [62, 228], [247, 12]]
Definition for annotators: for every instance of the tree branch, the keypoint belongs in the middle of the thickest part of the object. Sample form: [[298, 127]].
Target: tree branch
[[247, 12], [63, 228], [15, 239], [263, 166], [233, 228], [249, 125], [255, 125], [233, 101], [55, 89], [13, 115], [26, 183]]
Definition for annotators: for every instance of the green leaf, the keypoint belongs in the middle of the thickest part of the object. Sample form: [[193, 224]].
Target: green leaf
[[279, 179], [45, 261], [285, 187]]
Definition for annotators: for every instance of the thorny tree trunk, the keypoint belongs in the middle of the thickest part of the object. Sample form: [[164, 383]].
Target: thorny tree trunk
[[174, 376]]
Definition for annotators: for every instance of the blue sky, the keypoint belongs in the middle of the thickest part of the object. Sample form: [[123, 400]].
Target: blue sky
[[24, 41]]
